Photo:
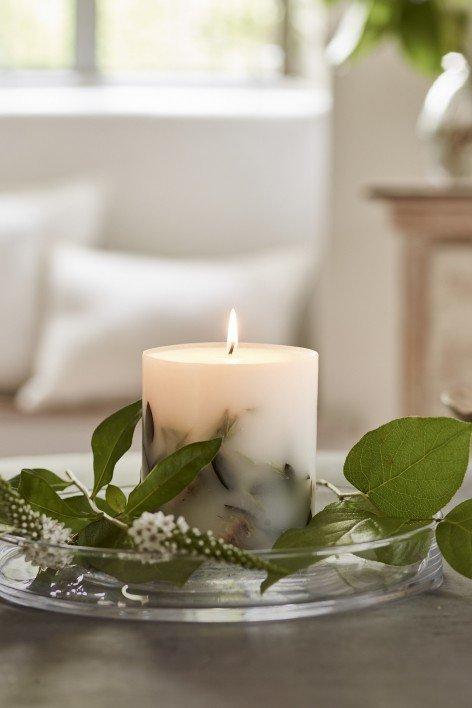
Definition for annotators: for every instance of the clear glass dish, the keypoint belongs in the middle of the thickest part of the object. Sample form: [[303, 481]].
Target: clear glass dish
[[122, 584], [338, 578]]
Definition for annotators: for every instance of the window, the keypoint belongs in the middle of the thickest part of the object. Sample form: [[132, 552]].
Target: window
[[208, 36], [100, 38], [37, 35]]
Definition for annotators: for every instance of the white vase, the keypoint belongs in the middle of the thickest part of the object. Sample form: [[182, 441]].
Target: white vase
[[445, 122]]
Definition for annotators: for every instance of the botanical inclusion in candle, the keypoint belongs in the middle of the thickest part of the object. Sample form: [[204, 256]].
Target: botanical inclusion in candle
[[262, 400]]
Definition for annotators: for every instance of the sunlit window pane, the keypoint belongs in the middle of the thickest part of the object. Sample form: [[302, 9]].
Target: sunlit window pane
[[236, 37], [36, 34]]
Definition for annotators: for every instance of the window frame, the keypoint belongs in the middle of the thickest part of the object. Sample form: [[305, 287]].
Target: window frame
[[85, 70], [85, 37]]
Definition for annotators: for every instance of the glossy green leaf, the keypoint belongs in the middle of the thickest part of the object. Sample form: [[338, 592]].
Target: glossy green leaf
[[43, 498], [347, 522], [51, 478], [170, 476], [454, 537], [115, 498], [110, 440], [411, 467]]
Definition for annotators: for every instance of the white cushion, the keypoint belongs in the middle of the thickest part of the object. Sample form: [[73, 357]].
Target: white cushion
[[31, 223], [107, 307]]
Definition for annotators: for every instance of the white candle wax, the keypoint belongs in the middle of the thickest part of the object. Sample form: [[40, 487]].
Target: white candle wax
[[263, 399]]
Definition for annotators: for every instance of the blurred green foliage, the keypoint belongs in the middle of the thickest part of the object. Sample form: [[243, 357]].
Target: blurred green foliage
[[425, 30]]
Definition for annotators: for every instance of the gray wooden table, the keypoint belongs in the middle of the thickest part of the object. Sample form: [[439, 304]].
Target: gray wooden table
[[412, 653], [409, 654]]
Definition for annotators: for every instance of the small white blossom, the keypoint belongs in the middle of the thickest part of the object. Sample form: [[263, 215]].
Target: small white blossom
[[153, 533], [18, 512], [182, 525], [52, 532]]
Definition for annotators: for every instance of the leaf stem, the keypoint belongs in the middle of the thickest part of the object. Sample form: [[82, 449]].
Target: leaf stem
[[91, 503], [332, 487]]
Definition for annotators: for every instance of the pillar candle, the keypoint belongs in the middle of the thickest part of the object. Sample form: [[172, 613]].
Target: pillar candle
[[261, 399]]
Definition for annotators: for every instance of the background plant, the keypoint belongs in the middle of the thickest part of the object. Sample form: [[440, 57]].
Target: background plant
[[424, 30]]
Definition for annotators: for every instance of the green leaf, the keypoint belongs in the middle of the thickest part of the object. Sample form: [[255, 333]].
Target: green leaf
[[454, 537], [175, 571], [41, 584], [51, 478], [347, 522], [411, 467], [115, 498], [45, 499], [421, 35], [170, 476], [81, 506], [110, 440], [103, 534]]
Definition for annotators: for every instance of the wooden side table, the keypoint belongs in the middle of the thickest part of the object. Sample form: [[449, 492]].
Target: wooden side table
[[436, 228]]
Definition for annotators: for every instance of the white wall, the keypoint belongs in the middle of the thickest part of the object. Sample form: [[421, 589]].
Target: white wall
[[192, 172], [376, 104]]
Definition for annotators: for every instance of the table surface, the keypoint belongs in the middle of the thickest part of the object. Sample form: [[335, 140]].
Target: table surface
[[421, 190], [416, 652]]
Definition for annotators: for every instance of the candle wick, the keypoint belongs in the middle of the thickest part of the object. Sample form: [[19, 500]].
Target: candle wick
[[231, 349]]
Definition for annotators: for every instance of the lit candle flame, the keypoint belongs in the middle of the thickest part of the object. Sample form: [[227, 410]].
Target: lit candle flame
[[232, 339]]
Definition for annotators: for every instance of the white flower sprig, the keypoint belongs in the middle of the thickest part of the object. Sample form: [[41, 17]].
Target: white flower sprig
[[44, 555], [36, 527], [18, 513], [167, 536]]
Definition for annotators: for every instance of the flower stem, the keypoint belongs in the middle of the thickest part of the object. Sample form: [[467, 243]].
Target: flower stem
[[332, 487], [208, 546], [91, 502]]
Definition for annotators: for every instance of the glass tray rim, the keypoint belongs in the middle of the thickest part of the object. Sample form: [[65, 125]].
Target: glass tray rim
[[292, 599], [265, 553]]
